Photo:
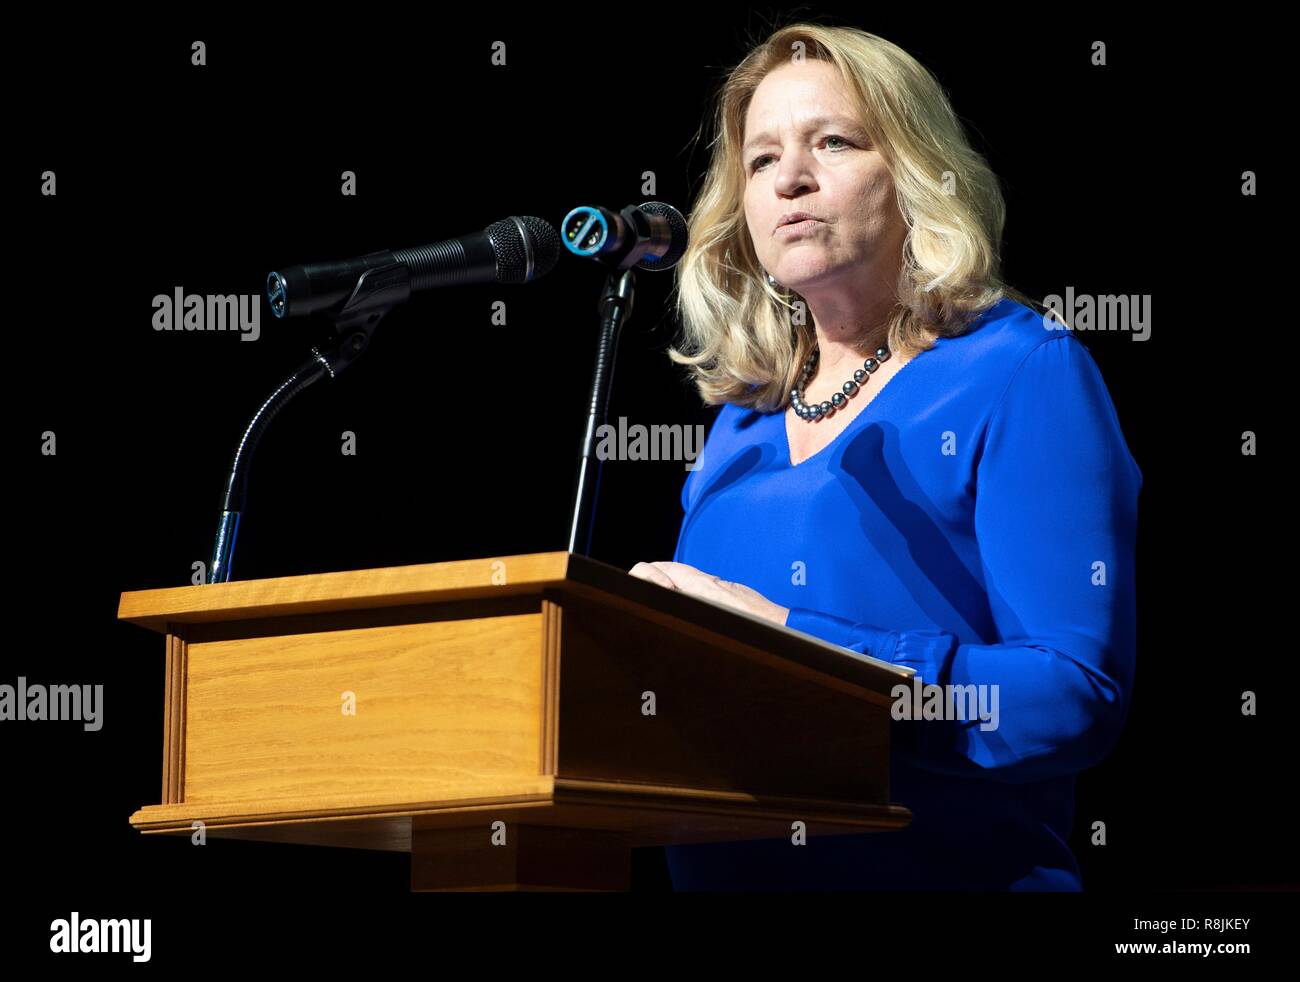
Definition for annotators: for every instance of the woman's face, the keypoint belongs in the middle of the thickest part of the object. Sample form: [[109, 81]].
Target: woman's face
[[804, 150]]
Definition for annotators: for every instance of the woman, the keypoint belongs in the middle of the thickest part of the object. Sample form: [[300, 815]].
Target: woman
[[908, 462]]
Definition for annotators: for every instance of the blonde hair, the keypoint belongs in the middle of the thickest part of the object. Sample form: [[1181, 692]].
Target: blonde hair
[[741, 343]]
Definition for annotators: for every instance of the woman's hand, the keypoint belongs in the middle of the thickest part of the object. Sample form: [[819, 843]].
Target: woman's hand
[[688, 579]]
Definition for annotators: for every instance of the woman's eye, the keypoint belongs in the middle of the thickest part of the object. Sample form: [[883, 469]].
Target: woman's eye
[[754, 164]]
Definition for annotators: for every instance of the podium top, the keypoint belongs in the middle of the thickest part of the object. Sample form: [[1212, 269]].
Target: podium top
[[547, 575], [355, 589]]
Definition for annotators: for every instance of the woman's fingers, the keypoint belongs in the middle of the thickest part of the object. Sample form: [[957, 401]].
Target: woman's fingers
[[651, 572], [692, 580]]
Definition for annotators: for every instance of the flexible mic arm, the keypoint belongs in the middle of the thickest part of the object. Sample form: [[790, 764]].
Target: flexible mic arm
[[615, 307], [377, 292], [653, 236], [650, 236]]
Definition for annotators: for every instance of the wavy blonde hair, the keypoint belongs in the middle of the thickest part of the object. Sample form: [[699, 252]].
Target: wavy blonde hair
[[741, 342]]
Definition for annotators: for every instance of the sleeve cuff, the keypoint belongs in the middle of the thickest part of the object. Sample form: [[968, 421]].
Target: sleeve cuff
[[925, 652], [862, 638]]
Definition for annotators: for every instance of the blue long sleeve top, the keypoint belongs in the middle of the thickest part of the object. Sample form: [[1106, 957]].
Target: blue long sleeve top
[[975, 521]]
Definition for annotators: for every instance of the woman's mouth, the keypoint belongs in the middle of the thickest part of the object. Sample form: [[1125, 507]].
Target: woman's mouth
[[795, 229]]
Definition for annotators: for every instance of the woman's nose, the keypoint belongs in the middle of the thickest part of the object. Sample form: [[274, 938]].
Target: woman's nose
[[794, 173]]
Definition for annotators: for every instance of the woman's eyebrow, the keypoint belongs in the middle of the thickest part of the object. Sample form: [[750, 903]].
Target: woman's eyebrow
[[808, 126]]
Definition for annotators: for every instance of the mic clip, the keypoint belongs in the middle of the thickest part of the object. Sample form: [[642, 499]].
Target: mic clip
[[378, 291]]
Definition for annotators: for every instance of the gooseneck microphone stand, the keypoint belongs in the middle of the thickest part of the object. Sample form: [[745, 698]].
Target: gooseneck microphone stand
[[650, 236], [615, 307], [378, 291]]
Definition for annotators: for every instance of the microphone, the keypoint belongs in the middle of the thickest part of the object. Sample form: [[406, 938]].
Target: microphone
[[513, 250], [651, 235]]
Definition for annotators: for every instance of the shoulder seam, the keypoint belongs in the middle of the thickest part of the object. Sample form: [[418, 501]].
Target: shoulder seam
[[1019, 365]]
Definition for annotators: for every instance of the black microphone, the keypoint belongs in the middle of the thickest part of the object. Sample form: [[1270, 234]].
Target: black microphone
[[651, 235], [513, 250]]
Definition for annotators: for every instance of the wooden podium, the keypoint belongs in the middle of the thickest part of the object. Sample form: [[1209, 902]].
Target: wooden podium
[[514, 723]]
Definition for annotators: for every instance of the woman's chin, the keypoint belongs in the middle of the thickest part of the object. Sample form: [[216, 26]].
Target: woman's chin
[[805, 279]]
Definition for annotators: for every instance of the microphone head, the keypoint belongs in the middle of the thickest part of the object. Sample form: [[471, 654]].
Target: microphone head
[[677, 227], [526, 248]]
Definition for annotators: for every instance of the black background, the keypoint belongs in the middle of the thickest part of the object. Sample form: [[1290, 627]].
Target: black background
[[1119, 179]]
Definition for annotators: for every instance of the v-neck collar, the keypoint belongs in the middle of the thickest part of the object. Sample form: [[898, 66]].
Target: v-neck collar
[[786, 418]]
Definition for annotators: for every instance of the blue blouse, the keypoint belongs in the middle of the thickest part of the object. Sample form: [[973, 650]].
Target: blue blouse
[[975, 521]]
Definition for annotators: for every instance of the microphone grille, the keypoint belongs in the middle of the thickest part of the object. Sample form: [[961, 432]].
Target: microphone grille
[[680, 234], [526, 247]]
